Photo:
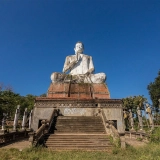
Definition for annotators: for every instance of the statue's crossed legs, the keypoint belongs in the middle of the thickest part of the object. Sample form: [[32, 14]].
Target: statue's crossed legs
[[79, 78]]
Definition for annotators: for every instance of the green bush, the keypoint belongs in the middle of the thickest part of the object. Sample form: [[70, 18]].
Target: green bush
[[116, 142], [155, 135]]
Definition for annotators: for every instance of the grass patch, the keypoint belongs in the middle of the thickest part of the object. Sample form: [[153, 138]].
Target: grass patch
[[149, 152], [155, 135]]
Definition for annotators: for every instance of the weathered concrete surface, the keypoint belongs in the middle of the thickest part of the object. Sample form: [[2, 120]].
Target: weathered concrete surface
[[40, 114], [115, 114], [74, 107], [21, 144]]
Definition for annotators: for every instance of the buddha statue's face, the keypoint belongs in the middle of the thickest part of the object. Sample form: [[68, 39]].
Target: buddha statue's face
[[78, 48]]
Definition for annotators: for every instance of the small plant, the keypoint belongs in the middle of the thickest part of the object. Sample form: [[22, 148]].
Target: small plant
[[115, 151], [155, 135], [116, 142], [140, 139]]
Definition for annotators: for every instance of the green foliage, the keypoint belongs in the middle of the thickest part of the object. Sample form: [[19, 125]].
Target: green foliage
[[43, 95], [116, 142], [9, 101], [130, 104], [154, 91], [133, 102], [140, 139], [27, 102], [155, 135]]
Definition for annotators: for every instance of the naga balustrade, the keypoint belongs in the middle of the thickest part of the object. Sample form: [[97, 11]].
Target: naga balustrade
[[36, 137], [110, 129]]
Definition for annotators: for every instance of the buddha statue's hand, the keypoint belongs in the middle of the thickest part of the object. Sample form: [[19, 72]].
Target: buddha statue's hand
[[88, 74], [78, 57]]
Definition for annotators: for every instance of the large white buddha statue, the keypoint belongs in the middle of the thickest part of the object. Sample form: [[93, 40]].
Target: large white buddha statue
[[78, 68]]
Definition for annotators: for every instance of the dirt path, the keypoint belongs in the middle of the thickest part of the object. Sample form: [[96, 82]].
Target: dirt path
[[135, 143], [21, 144]]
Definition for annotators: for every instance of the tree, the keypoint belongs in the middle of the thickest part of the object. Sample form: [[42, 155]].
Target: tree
[[133, 102], [130, 104], [43, 95], [9, 101], [27, 102], [154, 91]]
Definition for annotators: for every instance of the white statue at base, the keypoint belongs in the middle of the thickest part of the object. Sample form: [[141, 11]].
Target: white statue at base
[[139, 113], [80, 68], [149, 112]]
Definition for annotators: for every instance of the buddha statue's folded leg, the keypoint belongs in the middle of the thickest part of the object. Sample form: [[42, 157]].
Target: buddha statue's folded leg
[[96, 78], [57, 77]]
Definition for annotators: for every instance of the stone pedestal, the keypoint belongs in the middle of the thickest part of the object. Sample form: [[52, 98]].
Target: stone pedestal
[[78, 90]]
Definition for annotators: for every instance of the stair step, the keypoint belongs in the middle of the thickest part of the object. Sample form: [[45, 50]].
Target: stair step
[[79, 117], [80, 148], [78, 132], [79, 145], [80, 142]]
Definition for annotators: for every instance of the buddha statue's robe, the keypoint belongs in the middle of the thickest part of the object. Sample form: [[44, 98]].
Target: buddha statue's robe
[[81, 68]]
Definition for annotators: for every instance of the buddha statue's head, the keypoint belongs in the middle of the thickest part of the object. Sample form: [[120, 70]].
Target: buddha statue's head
[[79, 47]]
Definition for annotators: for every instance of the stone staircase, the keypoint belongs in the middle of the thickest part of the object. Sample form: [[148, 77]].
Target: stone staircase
[[78, 132]]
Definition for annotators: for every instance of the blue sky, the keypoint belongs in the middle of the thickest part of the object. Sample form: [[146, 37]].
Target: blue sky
[[122, 36]]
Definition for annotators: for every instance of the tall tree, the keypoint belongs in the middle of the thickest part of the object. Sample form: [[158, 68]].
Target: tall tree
[[8, 101], [43, 95], [133, 102], [154, 91], [28, 102], [130, 104]]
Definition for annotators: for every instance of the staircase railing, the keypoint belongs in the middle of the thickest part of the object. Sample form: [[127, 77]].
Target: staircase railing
[[36, 137], [111, 130], [51, 120]]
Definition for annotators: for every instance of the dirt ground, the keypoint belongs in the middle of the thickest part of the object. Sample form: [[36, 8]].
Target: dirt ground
[[22, 144], [135, 143]]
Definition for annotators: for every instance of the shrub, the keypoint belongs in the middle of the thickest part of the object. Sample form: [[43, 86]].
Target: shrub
[[155, 135]]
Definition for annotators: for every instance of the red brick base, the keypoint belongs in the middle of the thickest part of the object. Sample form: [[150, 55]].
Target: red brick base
[[78, 91]]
